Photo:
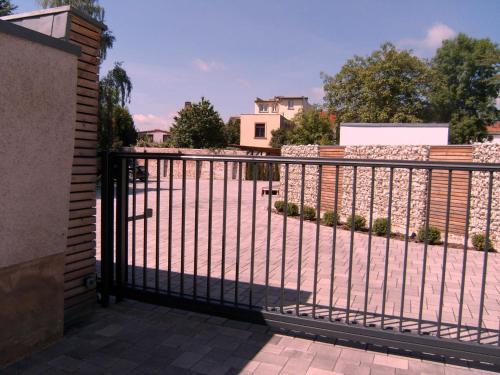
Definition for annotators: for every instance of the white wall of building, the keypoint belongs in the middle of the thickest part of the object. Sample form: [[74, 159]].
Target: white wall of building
[[393, 134]]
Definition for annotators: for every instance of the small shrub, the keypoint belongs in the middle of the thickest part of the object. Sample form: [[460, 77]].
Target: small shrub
[[330, 218], [479, 242], [292, 209], [380, 226], [359, 222], [279, 205], [433, 235], [309, 213]]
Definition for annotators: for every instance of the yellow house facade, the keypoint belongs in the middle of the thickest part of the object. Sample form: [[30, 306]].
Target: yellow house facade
[[269, 115]]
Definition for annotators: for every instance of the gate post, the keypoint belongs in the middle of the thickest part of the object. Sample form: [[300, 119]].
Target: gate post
[[107, 208], [121, 226]]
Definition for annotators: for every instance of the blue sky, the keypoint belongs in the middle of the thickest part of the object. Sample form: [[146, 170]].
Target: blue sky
[[232, 51]]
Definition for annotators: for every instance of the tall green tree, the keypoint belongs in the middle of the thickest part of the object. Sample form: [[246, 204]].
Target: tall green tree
[[116, 126], [233, 131], [309, 127], [6, 7], [390, 85], [467, 82], [198, 126], [94, 10]]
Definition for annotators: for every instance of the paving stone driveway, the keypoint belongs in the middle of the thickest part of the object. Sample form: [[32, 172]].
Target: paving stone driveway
[[210, 268], [136, 338]]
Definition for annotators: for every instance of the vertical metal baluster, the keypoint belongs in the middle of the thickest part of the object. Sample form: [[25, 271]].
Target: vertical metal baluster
[[369, 252], [426, 245], [316, 251], [252, 246], [283, 252], [145, 234], [121, 233], [301, 232], [157, 270], [405, 260], [183, 226], [224, 220], [445, 253], [209, 246], [464, 263], [170, 221], [351, 247], [485, 259], [268, 240], [334, 240], [196, 217], [387, 245], [134, 213], [238, 235]]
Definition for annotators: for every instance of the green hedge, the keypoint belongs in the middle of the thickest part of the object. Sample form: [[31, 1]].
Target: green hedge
[[359, 222]]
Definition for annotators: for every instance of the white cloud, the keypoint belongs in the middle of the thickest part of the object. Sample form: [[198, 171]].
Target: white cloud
[[150, 121], [207, 66], [245, 83], [433, 39], [317, 93]]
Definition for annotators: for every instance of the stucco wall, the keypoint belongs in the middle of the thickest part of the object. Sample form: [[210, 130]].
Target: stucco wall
[[247, 129], [218, 167], [37, 126]]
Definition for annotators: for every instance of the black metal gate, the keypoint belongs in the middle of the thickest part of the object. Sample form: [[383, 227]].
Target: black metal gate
[[192, 232]]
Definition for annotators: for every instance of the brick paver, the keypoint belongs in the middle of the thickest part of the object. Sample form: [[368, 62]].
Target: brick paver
[[250, 267], [136, 338]]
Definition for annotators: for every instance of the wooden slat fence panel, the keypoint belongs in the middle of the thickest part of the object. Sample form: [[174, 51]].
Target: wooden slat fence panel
[[328, 179]]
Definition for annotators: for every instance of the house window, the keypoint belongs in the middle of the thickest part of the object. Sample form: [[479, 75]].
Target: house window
[[165, 137], [274, 108], [260, 130], [290, 104], [263, 107], [149, 138]]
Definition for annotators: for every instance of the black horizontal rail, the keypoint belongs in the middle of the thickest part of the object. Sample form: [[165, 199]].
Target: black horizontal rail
[[461, 166]]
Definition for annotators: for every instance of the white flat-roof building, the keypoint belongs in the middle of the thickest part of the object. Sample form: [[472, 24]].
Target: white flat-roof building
[[393, 134]]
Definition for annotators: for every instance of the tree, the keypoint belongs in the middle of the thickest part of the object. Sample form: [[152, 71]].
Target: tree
[[94, 10], [233, 131], [6, 7], [198, 126], [115, 126], [466, 86], [390, 85], [309, 127]]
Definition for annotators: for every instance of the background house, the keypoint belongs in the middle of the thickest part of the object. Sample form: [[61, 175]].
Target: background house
[[154, 136], [494, 132], [269, 114]]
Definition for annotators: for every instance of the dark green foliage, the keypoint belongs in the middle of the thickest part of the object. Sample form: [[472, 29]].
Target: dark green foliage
[[330, 218], [465, 86], [279, 205], [433, 235], [6, 7], [233, 131], [380, 226], [309, 213], [359, 222], [390, 85], [115, 128], [309, 127], [293, 209], [198, 126], [479, 242]]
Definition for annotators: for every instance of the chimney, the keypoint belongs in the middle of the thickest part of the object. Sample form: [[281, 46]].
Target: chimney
[[187, 105]]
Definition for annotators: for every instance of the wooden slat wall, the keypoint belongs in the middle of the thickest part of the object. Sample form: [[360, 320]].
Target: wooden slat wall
[[439, 189], [328, 178], [80, 255]]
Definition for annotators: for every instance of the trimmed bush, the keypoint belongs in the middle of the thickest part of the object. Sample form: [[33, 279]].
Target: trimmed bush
[[279, 205], [433, 235], [292, 210], [330, 218], [359, 222], [479, 242], [309, 213], [380, 226]]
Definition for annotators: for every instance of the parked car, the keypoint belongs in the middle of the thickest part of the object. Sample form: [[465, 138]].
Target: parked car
[[140, 172]]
